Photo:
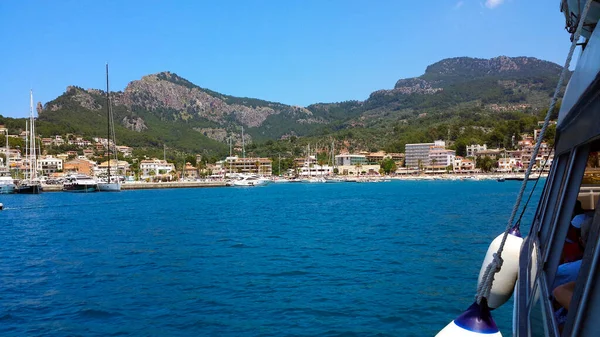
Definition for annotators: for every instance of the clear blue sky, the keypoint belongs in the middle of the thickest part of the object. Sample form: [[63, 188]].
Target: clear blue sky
[[294, 51]]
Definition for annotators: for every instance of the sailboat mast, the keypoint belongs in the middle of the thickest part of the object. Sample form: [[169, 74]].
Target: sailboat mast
[[333, 156], [27, 149], [108, 124], [308, 159], [7, 151], [243, 144], [32, 137]]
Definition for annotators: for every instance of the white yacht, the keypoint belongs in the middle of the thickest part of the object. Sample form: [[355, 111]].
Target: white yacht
[[7, 183], [80, 183], [250, 180], [332, 180], [113, 186]]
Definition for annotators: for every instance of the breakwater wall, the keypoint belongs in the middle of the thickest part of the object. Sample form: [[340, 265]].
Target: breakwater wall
[[146, 186]]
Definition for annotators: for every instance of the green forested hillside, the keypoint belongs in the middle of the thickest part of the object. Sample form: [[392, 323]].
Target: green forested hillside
[[461, 100]]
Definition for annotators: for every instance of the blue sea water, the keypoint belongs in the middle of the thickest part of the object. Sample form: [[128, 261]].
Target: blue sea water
[[388, 259]]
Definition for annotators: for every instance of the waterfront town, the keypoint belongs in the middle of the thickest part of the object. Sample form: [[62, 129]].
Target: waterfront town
[[419, 159]]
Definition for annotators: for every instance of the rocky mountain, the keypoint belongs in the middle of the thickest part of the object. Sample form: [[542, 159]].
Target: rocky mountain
[[501, 71], [498, 84], [166, 108], [158, 103], [466, 68]]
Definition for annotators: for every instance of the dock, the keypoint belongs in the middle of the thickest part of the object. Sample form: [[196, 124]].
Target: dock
[[147, 186], [175, 184]]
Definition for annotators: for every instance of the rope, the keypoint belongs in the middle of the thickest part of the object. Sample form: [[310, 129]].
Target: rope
[[518, 223], [484, 288]]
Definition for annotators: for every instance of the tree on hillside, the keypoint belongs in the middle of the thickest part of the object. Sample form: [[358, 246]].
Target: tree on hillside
[[460, 147], [550, 135], [191, 159]]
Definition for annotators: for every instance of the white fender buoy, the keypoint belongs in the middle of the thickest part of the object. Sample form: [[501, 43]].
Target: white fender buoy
[[1, 206], [476, 321], [504, 280]]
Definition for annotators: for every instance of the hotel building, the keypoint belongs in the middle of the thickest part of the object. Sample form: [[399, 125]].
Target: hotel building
[[418, 154]]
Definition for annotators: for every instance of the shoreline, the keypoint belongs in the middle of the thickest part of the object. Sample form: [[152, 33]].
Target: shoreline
[[207, 184], [151, 186], [469, 176]]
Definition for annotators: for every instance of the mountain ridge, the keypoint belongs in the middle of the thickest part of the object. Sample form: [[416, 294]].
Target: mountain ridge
[[163, 107]]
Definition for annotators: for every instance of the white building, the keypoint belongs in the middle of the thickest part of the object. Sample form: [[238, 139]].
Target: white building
[[507, 164], [49, 165], [463, 165], [125, 150], [58, 140], [254, 165], [350, 159], [441, 158], [155, 167], [418, 154], [354, 170], [473, 149], [315, 170], [117, 167]]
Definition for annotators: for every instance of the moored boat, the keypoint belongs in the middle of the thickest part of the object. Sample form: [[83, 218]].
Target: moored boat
[[110, 185], [332, 180], [28, 186], [80, 183], [250, 180], [31, 184], [313, 180], [7, 184], [113, 186]]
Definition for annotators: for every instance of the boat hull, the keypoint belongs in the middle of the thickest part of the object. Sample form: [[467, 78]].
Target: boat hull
[[80, 188], [244, 183], [29, 189], [109, 187], [7, 189]]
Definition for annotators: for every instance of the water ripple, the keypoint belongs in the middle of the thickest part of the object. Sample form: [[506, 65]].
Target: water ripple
[[292, 259]]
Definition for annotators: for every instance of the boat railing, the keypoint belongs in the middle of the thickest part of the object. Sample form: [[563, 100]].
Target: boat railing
[[589, 196]]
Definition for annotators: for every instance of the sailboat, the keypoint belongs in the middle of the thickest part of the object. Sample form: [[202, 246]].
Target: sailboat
[[110, 185], [7, 185], [333, 178], [31, 184], [248, 179]]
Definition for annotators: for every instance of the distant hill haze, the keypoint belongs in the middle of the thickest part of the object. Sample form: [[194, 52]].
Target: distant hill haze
[[166, 108]]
